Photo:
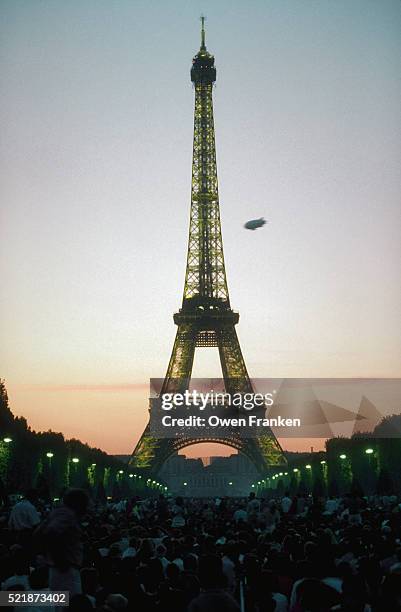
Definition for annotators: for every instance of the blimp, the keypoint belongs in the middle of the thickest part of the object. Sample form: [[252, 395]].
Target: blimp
[[255, 223]]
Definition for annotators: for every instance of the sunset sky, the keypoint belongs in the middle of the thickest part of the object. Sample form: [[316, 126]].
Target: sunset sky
[[97, 119]]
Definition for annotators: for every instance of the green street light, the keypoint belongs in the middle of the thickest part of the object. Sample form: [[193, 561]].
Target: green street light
[[281, 474], [323, 462], [285, 473], [253, 486], [308, 466], [7, 440], [131, 476], [369, 451], [165, 488], [295, 470], [230, 483], [50, 455], [93, 464], [121, 471], [138, 476], [75, 460], [343, 456], [185, 484]]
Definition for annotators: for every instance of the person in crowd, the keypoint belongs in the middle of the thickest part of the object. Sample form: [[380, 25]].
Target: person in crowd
[[24, 517], [19, 566], [240, 514], [311, 558], [214, 596], [253, 508], [286, 503], [331, 505], [61, 539]]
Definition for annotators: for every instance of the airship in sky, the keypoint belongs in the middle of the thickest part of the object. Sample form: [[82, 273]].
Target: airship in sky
[[255, 223]]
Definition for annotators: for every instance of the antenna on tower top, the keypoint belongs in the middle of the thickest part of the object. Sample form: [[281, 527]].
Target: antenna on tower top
[[203, 46]]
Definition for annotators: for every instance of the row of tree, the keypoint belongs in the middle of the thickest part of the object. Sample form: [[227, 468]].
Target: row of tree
[[49, 462], [363, 464]]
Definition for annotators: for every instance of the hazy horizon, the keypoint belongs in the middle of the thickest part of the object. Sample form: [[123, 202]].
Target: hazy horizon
[[97, 114]]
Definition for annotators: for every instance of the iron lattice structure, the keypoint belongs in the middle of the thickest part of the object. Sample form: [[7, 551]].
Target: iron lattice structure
[[205, 318]]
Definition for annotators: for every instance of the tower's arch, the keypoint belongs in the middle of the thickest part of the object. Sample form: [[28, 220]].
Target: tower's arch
[[151, 453], [223, 441]]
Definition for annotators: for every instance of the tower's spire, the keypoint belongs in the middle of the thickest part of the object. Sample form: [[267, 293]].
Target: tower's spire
[[203, 45]]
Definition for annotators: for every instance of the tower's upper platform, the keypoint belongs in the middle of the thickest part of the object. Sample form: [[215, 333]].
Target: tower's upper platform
[[203, 70]]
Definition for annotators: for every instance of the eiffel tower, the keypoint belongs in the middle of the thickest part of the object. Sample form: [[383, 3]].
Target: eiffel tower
[[205, 318]]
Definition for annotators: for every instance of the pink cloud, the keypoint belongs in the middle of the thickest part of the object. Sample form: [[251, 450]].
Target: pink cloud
[[81, 387]]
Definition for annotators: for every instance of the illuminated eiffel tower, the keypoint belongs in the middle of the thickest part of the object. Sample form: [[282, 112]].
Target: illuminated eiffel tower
[[205, 318]]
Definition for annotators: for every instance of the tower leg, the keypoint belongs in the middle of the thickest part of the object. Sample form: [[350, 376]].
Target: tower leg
[[182, 358], [232, 362]]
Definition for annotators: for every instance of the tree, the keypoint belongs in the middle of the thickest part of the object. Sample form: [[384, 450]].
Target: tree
[[6, 416], [101, 493], [334, 490], [385, 485], [389, 427], [356, 487], [318, 488]]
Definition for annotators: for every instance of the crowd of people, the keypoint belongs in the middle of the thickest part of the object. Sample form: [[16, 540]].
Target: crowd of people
[[288, 554]]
